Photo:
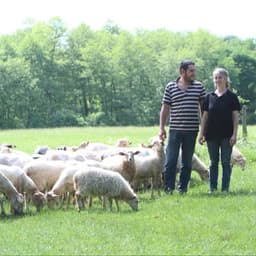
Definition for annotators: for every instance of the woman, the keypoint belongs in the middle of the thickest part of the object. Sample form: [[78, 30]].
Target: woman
[[219, 127]]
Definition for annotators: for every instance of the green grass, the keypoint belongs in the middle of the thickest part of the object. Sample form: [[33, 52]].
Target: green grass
[[193, 224]]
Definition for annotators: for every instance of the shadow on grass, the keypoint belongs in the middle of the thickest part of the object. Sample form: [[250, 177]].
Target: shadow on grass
[[11, 217]]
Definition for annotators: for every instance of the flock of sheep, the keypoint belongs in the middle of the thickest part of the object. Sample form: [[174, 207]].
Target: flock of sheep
[[51, 176]]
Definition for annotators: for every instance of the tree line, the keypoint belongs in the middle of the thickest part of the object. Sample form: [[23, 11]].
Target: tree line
[[52, 76]]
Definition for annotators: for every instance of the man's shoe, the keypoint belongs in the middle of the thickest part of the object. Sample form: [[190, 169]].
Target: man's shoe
[[212, 191], [168, 191]]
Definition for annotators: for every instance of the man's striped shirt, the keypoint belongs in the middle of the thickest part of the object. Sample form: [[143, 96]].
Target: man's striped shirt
[[184, 104]]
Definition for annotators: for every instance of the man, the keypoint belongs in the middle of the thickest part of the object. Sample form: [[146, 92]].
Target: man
[[181, 102]]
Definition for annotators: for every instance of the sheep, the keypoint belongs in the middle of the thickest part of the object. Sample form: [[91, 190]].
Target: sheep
[[123, 162], [45, 173], [14, 157], [200, 167], [123, 142], [97, 146], [64, 184], [95, 181], [55, 154], [150, 165], [237, 158], [24, 184], [197, 166], [15, 198]]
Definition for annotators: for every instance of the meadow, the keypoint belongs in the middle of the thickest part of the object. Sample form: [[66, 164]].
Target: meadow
[[197, 223]]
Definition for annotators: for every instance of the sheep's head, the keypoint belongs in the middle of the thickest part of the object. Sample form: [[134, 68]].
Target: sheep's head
[[51, 199], [17, 204], [134, 202], [123, 143], [38, 200], [156, 140]]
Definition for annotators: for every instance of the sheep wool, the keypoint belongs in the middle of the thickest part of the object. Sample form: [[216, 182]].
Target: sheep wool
[[95, 181]]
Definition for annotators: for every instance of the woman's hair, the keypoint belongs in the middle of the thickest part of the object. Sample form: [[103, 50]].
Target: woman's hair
[[223, 72]]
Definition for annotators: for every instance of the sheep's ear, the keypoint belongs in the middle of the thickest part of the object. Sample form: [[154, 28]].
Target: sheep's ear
[[136, 152], [122, 153]]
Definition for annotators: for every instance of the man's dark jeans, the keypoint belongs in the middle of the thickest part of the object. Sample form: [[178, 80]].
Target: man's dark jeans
[[184, 140], [215, 148]]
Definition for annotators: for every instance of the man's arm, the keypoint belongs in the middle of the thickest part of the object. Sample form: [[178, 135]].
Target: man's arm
[[164, 113]]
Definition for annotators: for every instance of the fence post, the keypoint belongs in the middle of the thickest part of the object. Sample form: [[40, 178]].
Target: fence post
[[244, 124]]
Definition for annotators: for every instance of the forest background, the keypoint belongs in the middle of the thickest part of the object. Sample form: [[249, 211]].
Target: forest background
[[52, 76]]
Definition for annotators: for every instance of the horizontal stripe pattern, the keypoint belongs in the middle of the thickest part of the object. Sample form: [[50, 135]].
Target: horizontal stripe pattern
[[184, 113]]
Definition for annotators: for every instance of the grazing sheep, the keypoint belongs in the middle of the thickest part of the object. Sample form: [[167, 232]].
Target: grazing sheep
[[45, 172], [15, 198], [197, 166], [200, 167], [238, 158], [64, 184], [123, 163], [24, 184], [95, 181]]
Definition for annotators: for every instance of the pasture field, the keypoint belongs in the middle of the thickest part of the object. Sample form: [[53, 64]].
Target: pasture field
[[193, 224]]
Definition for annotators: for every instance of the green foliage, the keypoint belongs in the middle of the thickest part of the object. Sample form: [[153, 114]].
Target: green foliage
[[59, 77]]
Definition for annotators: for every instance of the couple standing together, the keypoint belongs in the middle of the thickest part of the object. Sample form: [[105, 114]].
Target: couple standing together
[[220, 108]]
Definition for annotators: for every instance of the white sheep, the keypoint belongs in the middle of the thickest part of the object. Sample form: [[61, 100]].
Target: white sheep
[[54, 154], [123, 162], [238, 158], [45, 172], [95, 181], [197, 166], [64, 184], [15, 198], [24, 184], [14, 157], [150, 165]]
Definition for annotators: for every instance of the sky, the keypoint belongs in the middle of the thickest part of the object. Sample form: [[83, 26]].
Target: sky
[[219, 17]]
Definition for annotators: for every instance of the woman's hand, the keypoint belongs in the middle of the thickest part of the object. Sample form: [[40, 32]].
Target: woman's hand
[[232, 140], [201, 139]]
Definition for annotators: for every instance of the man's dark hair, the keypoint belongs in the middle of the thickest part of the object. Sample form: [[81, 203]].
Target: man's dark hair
[[185, 63]]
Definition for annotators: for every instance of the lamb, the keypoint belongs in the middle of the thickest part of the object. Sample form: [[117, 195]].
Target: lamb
[[150, 165], [24, 184], [238, 158], [123, 163], [95, 181], [15, 198], [45, 173]]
